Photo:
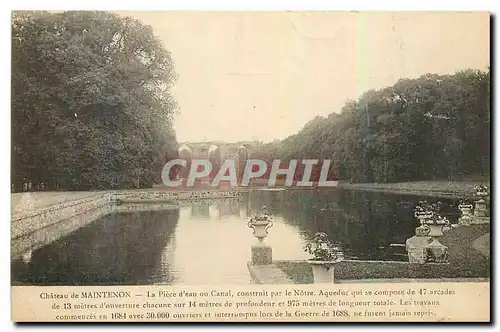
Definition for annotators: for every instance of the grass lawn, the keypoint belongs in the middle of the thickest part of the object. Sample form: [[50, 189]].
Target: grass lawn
[[455, 189]]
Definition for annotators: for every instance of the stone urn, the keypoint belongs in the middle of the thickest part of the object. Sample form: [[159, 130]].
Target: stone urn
[[482, 192], [436, 252], [323, 271], [415, 246], [482, 201], [436, 225], [260, 223], [425, 247], [325, 255], [466, 211], [435, 230]]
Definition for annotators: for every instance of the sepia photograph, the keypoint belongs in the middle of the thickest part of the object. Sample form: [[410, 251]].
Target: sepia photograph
[[190, 148]]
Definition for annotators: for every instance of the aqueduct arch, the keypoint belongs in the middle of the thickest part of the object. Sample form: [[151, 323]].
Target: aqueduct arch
[[216, 153], [242, 159], [214, 156], [187, 154]]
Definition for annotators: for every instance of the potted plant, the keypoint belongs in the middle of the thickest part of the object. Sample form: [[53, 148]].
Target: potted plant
[[429, 216], [482, 202], [482, 190], [440, 225], [423, 211], [325, 255], [260, 223]]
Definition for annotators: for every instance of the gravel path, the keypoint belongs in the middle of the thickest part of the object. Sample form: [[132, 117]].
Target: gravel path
[[29, 201]]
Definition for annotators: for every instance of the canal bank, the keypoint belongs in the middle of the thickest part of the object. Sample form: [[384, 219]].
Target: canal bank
[[156, 237], [40, 218], [439, 189], [467, 263]]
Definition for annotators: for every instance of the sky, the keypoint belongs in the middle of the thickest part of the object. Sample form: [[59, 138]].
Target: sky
[[264, 75]]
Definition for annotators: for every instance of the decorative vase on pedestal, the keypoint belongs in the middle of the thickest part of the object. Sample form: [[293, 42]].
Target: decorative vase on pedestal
[[323, 272], [435, 230], [466, 217], [260, 224], [480, 210], [436, 252], [425, 247], [415, 246], [325, 255]]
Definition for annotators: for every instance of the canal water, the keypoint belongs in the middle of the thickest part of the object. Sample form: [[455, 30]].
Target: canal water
[[208, 241]]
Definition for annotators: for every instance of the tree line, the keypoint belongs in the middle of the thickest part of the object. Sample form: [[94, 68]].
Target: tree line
[[435, 127], [91, 109], [90, 102]]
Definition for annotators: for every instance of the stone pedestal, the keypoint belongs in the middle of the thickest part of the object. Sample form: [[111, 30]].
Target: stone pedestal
[[465, 220], [423, 248], [435, 230], [480, 209], [262, 254], [323, 272], [466, 217], [415, 247], [481, 213]]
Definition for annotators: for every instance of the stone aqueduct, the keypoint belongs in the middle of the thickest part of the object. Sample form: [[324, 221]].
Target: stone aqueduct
[[216, 153]]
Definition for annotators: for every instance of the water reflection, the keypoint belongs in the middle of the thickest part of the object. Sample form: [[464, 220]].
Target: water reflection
[[217, 209], [216, 250], [200, 210], [208, 242], [121, 248], [365, 225]]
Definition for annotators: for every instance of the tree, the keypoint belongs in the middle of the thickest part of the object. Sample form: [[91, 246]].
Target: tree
[[91, 107], [431, 127]]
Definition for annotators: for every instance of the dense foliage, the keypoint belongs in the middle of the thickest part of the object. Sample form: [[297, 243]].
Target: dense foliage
[[430, 128], [91, 107]]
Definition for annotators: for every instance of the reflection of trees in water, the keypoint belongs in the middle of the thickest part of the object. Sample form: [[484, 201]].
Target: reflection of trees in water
[[306, 209], [121, 248], [365, 224]]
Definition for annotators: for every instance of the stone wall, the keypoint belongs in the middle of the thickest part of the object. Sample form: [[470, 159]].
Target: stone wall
[[134, 207], [23, 224], [34, 229], [167, 196], [23, 245]]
